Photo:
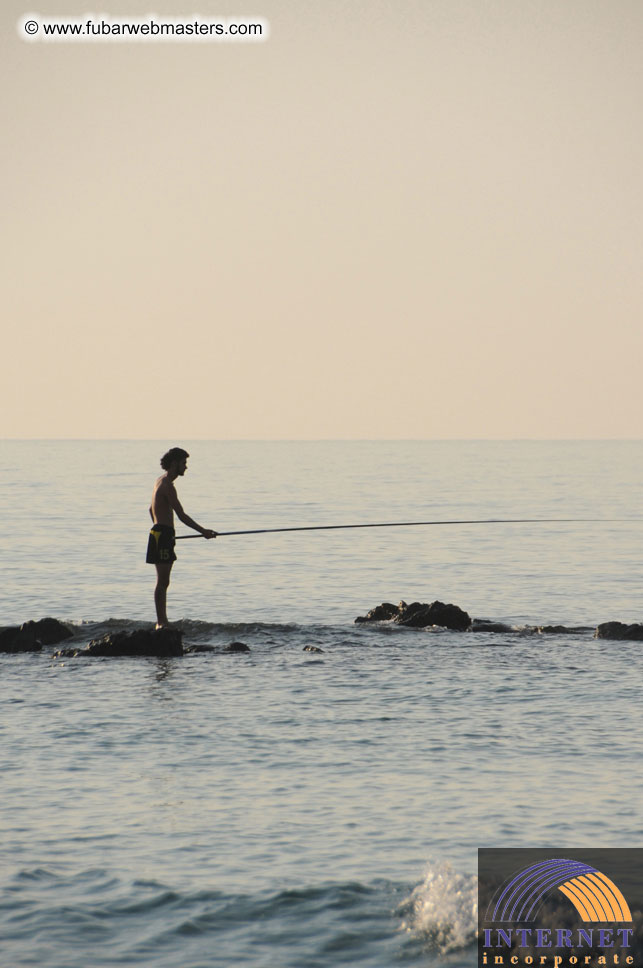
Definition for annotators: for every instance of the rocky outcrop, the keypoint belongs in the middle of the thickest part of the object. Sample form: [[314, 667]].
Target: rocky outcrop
[[19, 638], [419, 615], [382, 613], [153, 642], [618, 630], [49, 631], [31, 636]]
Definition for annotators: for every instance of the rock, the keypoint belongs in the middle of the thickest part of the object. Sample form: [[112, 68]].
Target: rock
[[618, 630], [19, 638], [313, 648], [31, 636], [419, 615], [153, 642], [236, 647], [49, 631], [382, 613]]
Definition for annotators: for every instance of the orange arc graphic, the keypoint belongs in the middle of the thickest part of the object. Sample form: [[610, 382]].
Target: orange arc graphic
[[596, 898], [597, 890], [580, 901], [617, 898]]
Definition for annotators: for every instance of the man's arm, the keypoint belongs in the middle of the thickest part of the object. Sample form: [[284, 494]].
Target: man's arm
[[185, 518]]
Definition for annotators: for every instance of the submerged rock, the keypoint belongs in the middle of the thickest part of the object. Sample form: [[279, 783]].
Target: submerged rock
[[562, 629], [232, 647], [484, 625], [420, 615], [618, 630], [237, 647], [144, 642], [313, 648], [31, 636]]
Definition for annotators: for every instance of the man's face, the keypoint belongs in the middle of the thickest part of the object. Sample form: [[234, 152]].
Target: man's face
[[181, 467]]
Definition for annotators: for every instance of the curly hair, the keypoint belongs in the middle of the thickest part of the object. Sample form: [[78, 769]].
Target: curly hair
[[175, 454]]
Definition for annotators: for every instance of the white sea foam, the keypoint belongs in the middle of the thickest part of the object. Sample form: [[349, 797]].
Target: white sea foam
[[443, 909]]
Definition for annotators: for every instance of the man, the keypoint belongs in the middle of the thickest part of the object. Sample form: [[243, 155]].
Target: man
[[160, 547]]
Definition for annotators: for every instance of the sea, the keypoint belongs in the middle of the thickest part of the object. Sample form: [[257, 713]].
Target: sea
[[287, 808]]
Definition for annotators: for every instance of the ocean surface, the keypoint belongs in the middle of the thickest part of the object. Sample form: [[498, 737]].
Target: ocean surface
[[290, 809]]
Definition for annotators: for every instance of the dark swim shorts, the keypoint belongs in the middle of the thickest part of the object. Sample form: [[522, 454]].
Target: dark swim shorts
[[160, 546]]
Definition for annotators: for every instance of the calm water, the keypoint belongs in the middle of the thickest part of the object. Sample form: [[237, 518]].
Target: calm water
[[296, 810]]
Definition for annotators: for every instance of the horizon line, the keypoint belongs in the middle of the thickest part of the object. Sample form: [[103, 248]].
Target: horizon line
[[311, 440]]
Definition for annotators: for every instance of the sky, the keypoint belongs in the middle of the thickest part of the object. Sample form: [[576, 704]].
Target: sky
[[409, 219]]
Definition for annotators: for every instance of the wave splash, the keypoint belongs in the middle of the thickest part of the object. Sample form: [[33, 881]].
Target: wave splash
[[442, 911]]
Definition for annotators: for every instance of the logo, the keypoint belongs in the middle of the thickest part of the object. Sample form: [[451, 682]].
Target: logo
[[557, 910]]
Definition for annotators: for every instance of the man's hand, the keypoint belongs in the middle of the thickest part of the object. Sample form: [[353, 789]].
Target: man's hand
[[209, 534]]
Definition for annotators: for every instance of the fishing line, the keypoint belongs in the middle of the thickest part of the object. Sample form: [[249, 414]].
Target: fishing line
[[407, 524]]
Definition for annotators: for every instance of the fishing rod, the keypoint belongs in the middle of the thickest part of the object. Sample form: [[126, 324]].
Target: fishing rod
[[405, 524]]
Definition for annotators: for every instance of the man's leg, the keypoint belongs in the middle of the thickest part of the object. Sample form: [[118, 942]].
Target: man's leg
[[160, 593]]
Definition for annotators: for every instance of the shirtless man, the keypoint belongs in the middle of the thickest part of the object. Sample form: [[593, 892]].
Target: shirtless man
[[160, 547]]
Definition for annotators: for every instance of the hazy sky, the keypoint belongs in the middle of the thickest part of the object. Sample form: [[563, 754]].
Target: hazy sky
[[419, 218]]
